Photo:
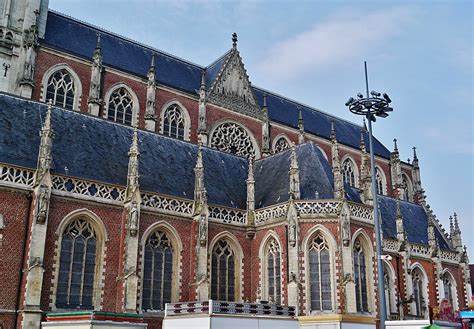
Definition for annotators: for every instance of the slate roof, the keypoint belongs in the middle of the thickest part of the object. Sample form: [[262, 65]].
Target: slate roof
[[92, 148], [72, 36], [415, 222], [95, 149], [272, 180]]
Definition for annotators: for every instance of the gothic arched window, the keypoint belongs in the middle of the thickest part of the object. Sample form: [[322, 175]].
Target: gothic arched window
[[449, 289], [232, 138], [380, 182], [407, 188], [60, 89], [389, 290], [360, 277], [320, 274], [157, 272], [348, 172], [273, 271], [223, 272], [418, 286], [120, 107], [77, 266], [174, 122], [281, 144]]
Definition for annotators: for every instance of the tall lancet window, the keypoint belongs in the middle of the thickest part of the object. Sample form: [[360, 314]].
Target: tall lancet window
[[120, 107], [320, 274], [360, 277], [273, 271], [77, 266], [379, 182], [157, 272], [173, 122], [223, 272], [348, 172], [418, 286], [60, 89]]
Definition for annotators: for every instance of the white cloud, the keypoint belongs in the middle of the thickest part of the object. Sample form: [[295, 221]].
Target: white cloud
[[345, 35]]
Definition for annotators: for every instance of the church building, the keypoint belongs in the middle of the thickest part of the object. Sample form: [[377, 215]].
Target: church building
[[131, 178]]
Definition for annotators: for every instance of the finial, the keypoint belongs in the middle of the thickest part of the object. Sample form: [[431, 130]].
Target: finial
[[152, 61], [456, 223], [414, 154], [333, 131], [362, 139], [395, 147], [250, 169], [365, 126], [300, 114], [264, 99], [451, 225], [98, 40], [203, 79], [234, 40], [408, 160]]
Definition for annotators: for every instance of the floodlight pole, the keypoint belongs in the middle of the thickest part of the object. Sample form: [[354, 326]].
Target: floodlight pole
[[371, 106], [378, 233]]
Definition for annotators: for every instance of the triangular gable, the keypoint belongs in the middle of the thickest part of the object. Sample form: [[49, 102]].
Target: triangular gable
[[232, 89]]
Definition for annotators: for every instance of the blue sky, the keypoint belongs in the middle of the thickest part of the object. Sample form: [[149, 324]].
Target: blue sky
[[419, 52]]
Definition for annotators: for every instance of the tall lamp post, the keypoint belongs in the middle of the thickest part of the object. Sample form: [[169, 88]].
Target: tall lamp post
[[371, 106]]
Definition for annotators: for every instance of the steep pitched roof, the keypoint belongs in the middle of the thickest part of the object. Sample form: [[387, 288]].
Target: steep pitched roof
[[95, 149], [272, 181], [415, 221], [72, 36]]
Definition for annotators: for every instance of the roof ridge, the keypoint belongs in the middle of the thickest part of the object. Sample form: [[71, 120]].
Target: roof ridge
[[218, 59], [125, 38], [309, 107]]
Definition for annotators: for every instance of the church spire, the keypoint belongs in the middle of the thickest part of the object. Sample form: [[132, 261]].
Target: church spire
[[294, 175], [94, 100], [150, 116], [300, 126]]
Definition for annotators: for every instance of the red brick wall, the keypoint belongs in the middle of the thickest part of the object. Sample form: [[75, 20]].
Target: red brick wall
[[14, 207]]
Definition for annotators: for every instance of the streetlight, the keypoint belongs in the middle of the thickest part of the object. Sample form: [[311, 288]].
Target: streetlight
[[374, 105]]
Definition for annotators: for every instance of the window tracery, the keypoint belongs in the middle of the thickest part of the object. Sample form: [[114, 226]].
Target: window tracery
[[273, 271], [281, 145], [360, 277], [61, 89], [174, 122], [320, 274], [120, 107], [232, 138], [77, 266], [157, 272], [223, 272], [448, 288], [348, 172]]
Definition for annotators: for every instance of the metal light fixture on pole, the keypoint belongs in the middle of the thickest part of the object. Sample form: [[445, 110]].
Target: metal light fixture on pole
[[371, 106]]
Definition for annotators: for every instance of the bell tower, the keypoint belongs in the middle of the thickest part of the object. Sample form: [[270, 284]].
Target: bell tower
[[22, 22]]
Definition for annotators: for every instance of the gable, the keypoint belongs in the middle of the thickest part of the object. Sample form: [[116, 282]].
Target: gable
[[232, 88]]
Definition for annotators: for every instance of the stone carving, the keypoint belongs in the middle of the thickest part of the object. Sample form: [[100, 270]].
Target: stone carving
[[202, 230], [96, 71], [151, 92], [133, 218], [42, 203], [232, 88], [345, 230], [232, 138]]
